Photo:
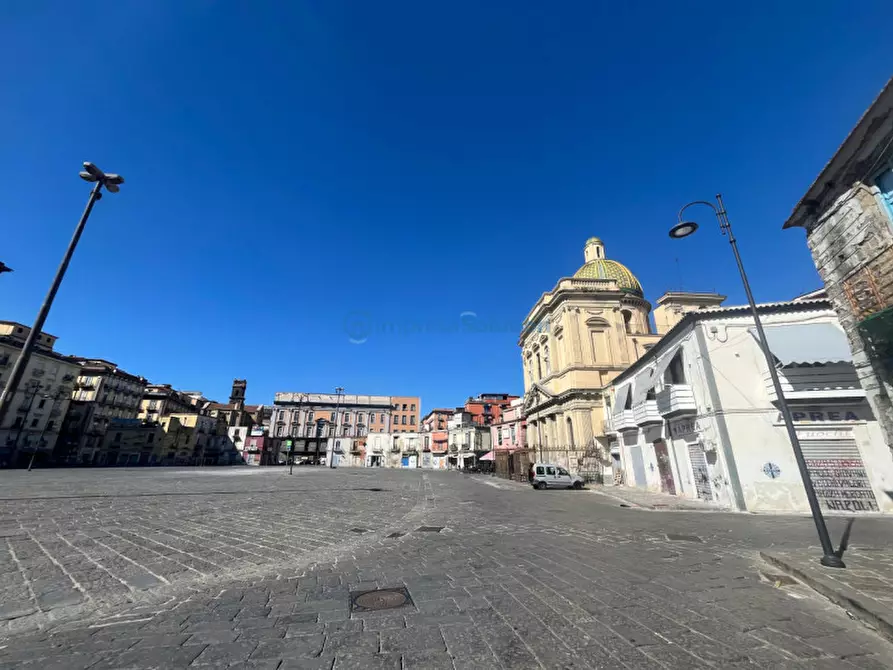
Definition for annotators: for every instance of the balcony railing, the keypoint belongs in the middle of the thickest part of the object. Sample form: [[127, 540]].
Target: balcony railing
[[676, 400], [625, 420], [646, 413]]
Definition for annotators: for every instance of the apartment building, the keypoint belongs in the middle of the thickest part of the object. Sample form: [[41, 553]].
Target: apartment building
[[468, 440], [160, 400], [487, 408], [32, 424], [101, 393], [405, 414]]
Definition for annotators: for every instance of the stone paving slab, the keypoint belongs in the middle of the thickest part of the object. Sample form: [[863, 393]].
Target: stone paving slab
[[864, 588], [516, 578]]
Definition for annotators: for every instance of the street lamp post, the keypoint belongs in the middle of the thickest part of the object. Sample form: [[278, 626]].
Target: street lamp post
[[686, 228], [338, 391], [111, 182]]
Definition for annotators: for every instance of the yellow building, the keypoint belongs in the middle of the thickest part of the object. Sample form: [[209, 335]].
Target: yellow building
[[576, 339]]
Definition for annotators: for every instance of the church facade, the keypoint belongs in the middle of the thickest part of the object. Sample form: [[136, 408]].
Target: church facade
[[577, 338]]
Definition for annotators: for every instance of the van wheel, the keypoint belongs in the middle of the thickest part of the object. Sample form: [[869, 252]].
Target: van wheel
[[540, 486], [578, 486]]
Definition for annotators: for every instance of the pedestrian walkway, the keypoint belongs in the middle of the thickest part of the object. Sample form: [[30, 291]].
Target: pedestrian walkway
[[864, 588], [643, 499]]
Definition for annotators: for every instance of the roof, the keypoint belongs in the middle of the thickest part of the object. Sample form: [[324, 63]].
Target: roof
[[692, 317], [822, 191], [603, 268]]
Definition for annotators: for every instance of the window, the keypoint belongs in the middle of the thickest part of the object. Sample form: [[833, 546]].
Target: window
[[278, 431], [403, 420], [33, 423], [331, 416], [150, 438], [627, 321], [540, 470], [412, 407], [42, 402], [309, 416], [117, 437], [50, 425], [562, 471], [412, 419], [513, 434], [404, 407], [546, 361], [382, 418], [550, 470]]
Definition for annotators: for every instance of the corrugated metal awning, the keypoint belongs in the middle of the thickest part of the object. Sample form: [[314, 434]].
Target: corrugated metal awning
[[806, 343], [643, 383], [620, 398]]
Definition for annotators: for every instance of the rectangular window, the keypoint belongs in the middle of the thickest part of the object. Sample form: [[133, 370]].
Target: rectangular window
[[403, 421], [884, 182], [33, 423], [550, 471], [412, 419], [382, 418], [404, 407], [41, 403], [412, 407], [331, 416], [150, 438], [540, 470]]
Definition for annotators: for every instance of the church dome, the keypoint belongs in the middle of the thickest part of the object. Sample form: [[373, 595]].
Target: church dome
[[599, 267]]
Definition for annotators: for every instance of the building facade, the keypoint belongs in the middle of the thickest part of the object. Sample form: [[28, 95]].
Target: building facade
[[575, 340], [468, 440], [334, 427], [129, 442], [160, 400], [102, 393], [405, 414], [393, 450], [32, 425], [435, 438], [697, 416], [486, 409], [847, 214]]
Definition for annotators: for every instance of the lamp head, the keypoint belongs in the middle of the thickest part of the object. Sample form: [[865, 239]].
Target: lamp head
[[683, 229]]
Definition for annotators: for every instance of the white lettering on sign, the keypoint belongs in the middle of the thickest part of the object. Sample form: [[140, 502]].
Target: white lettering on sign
[[815, 416]]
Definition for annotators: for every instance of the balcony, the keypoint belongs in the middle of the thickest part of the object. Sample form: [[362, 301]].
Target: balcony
[[676, 400], [37, 372], [625, 421], [815, 383], [376, 449], [646, 413], [68, 378]]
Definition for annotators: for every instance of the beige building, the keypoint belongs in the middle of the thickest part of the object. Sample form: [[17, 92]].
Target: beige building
[[160, 400], [35, 414], [576, 339], [102, 393]]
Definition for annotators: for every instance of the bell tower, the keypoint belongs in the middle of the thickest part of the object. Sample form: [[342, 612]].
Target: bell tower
[[237, 396]]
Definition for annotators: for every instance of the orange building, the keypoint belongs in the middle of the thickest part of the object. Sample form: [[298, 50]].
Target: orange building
[[486, 409], [405, 412]]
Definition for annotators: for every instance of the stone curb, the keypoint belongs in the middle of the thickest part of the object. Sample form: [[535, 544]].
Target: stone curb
[[865, 609]]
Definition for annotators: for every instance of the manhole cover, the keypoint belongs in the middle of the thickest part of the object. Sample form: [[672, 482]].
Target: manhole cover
[[358, 530], [429, 529], [673, 537], [380, 599]]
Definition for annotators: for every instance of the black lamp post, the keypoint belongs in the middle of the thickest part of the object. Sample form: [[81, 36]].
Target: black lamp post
[[111, 182], [684, 229]]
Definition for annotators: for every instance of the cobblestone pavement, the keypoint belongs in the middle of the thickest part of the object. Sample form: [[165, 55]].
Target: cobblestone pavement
[[499, 576]]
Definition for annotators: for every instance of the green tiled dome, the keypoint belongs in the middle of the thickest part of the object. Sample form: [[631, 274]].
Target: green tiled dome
[[603, 268]]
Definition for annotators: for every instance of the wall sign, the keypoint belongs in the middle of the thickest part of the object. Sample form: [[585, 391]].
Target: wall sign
[[771, 470], [683, 427], [819, 416]]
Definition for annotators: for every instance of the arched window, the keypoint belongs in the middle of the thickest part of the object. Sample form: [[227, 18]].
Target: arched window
[[539, 367], [570, 432], [546, 361], [627, 321]]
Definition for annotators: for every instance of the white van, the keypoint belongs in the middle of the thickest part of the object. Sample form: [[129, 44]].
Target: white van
[[550, 476]]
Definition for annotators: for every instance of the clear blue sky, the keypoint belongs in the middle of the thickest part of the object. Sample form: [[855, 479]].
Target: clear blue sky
[[293, 166]]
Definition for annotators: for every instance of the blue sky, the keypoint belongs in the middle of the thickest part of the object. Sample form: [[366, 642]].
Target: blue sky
[[299, 173]]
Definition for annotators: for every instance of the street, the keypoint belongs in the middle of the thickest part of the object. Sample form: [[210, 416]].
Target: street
[[256, 568]]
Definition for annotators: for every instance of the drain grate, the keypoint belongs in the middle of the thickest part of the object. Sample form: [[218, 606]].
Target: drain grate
[[380, 599], [398, 534], [429, 529], [674, 537], [358, 530]]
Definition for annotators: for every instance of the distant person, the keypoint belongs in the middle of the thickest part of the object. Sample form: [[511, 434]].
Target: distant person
[[530, 474]]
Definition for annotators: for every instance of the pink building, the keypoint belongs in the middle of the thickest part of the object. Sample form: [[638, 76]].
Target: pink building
[[510, 433], [261, 449]]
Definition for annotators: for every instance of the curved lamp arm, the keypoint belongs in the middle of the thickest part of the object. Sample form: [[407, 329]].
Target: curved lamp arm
[[697, 202]]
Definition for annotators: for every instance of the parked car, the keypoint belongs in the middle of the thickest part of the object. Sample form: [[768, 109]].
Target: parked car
[[551, 476]]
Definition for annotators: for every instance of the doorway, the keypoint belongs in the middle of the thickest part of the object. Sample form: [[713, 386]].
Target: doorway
[[699, 471], [635, 455], [667, 484]]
